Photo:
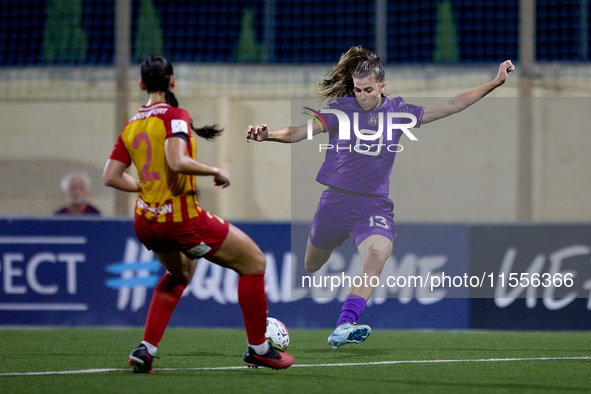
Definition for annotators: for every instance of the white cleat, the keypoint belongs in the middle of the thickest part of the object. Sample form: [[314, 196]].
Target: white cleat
[[348, 333]]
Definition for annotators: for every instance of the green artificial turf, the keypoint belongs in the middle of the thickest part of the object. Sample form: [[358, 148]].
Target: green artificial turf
[[182, 350]]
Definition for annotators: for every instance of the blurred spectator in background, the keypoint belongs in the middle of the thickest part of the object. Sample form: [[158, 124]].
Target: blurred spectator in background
[[76, 186]]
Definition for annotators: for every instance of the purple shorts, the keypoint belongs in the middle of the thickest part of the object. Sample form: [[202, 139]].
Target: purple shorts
[[338, 215]]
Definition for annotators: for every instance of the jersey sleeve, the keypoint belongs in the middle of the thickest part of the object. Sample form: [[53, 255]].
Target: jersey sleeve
[[177, 121], [411, 109], [120, 152]]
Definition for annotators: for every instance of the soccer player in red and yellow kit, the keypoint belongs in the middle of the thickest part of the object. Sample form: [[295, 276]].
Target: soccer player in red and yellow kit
[[169, 221]]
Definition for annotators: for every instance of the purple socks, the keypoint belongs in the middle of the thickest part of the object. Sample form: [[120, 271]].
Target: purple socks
[[352, 309]]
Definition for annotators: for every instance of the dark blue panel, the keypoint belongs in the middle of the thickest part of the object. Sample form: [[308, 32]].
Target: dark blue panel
[[517, 316], [550, 251]]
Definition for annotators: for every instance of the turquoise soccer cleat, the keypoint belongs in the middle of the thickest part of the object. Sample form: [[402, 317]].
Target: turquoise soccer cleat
[[348, 333]]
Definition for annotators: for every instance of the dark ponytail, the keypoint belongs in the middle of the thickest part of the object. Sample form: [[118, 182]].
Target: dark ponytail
[[156, 72], [171, 98], [207, 132]]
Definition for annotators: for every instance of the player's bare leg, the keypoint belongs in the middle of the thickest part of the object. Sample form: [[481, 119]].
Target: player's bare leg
[[239, 253], [373, 251], [315, 258], [178, 265]]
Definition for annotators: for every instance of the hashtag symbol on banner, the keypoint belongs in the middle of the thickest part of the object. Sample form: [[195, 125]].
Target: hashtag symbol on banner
[[138, 271]]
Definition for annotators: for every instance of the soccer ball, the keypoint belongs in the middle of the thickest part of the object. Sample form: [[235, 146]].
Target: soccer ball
[[277, 332]]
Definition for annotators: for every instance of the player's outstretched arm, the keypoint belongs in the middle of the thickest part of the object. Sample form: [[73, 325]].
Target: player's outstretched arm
[[466, 99], [178, 161], [286, 135], [114, 175]]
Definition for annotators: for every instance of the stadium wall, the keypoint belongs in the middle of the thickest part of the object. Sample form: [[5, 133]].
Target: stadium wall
[[96, 273], [464, 168]]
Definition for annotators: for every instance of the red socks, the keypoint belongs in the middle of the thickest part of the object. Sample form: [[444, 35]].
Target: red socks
[[166, 295], [251, 296], [253, 301]]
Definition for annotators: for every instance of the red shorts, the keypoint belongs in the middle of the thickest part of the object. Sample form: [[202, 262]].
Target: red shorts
[[197, 237]]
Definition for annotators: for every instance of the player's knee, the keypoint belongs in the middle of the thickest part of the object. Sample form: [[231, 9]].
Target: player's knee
[[184, 279], [254, 262], [183, 272], [185, 275], [311, 265], [258, 263], [181, 277], [311, 268], [374, 261]]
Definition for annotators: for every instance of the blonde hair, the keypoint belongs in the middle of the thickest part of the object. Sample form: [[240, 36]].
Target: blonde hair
[[355, 63]]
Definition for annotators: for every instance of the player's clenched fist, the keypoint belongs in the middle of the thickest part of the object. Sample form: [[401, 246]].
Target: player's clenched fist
[[257, 133], [504, 69], [222, 178]]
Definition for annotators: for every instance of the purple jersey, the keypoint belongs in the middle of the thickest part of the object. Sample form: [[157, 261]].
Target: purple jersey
[[363, 166]]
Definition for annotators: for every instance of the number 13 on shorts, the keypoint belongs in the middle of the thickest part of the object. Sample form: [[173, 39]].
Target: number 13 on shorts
[[378, 221]]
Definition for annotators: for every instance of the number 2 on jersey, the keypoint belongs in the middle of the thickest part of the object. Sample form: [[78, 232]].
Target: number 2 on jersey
[[146, 174], [379, 221]]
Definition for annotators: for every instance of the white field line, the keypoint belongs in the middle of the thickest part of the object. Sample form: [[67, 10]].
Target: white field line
[[302, 365]]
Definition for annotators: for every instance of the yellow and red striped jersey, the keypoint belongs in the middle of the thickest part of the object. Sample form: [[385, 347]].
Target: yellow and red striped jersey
[[166, 196]]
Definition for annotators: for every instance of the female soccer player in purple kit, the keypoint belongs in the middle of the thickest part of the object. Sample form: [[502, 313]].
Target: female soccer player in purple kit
[[356, 200]]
